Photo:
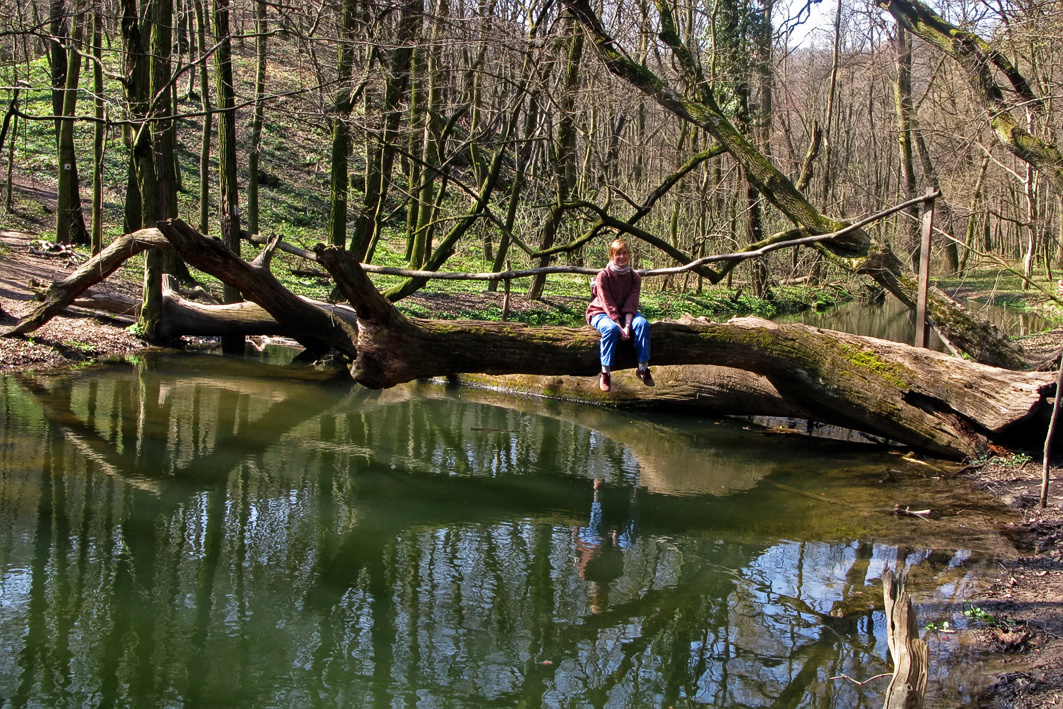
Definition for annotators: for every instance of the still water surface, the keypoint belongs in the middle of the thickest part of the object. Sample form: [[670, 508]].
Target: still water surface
[[195, 531], [891, 320]]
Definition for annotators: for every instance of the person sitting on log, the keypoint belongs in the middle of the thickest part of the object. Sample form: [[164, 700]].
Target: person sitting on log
[[613, 311]]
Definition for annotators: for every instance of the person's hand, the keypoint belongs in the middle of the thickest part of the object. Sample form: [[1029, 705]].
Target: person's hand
[[625, 333]]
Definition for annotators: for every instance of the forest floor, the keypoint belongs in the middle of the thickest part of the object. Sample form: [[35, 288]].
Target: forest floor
[[1021, 637]]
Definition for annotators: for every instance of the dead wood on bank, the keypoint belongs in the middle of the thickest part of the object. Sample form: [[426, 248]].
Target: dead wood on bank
[[909, 652]]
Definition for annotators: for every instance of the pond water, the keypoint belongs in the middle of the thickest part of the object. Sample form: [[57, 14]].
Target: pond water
[[891, 320], [192, 530]]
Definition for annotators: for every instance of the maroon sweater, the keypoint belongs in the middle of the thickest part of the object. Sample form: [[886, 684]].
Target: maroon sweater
[[615, 294]]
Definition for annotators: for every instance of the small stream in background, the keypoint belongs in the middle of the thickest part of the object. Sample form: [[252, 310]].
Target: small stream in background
[[195, 530], [891, 320]]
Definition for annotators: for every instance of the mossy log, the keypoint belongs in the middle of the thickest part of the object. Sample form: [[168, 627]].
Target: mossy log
[[923, 398]]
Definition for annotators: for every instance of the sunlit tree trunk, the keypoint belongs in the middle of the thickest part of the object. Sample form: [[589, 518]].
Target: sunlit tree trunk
[[229, 207], [157, 173], [430, 191], [563, 159], [99, 130], [902, 95], [70, 221], [208, 121], [381, 149], [341, 130], [257, 117]]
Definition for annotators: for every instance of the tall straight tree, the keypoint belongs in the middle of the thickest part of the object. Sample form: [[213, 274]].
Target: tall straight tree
[[147, 30], [99, 129], [342, 105], [563, 158], [66, 73], [229, 206], [208, 120], [69, 218], [257, 117], [902, 93], [380, 150]]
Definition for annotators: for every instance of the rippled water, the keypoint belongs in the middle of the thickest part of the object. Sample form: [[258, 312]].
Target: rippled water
[[202, 531]]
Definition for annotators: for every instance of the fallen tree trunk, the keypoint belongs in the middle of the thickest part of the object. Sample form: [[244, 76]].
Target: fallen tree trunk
[[184, 317], [63, 293], [920, 397], [942, 404], [316, 328]]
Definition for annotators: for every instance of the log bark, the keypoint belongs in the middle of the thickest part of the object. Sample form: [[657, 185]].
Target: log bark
[[181, 316], [315, 328]]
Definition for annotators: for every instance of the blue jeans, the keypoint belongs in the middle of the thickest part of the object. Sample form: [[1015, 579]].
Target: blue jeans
[[640, 333]]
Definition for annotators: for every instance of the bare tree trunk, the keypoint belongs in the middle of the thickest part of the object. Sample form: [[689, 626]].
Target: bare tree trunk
[[229, 208], [208, 121], [257, 117], [343, 103], [564, 156], [978, 59], [69, 218], [99, 130], [902, 95]]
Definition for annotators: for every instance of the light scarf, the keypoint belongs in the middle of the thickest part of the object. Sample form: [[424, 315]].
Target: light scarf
[[616, 269]]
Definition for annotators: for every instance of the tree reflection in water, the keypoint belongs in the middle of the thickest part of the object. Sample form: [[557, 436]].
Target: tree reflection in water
[[176, 536]]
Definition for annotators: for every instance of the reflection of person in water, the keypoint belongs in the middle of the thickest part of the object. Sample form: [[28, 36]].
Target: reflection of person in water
[[599, 551]]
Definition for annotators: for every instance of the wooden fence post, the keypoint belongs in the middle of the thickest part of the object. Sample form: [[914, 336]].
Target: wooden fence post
[[922, 327]]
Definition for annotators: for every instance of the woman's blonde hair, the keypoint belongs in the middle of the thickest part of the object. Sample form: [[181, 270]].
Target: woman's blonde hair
[[616, 246]]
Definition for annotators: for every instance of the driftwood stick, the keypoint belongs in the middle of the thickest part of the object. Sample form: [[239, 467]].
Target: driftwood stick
[[908, 650], [1048, 439]]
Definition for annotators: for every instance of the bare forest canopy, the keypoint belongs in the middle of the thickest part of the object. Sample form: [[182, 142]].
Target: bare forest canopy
[[408, 132]]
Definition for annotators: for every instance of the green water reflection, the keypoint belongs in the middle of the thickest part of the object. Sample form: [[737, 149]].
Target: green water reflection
[[198, 531]]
